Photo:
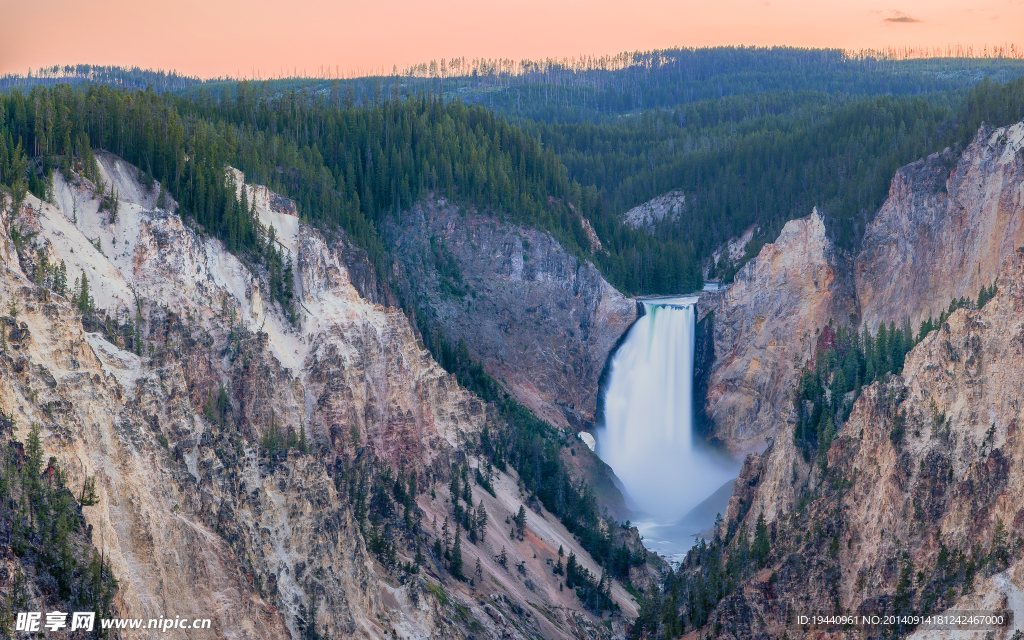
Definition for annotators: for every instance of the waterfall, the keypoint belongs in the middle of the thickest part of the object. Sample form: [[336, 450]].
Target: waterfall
[[647, 437]]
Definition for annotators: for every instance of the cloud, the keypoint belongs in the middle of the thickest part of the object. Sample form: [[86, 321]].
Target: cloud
[[899, 16]]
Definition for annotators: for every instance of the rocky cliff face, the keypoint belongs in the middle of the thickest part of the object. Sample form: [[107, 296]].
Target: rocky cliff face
[[946, 227], [944, 230], [768, 318], [230, 448], [919, 506], [539, 320], [668, 206]]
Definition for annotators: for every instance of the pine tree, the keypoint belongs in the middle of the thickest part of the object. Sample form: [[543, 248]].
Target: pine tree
[[481, 521], [882, 351], [467, 492], [161, 200], [761, 546], [210, 410], [60, 280], [83, 298], [896, 349], [871, 371], [455, 564], [453, 489], [520, 521], [571, 571]]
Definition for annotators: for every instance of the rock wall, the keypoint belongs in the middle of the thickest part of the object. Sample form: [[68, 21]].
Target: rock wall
[[538, 320], [944, 230], [703, 362], [919, 507], [765, 321], [668, 206], [942, 233]]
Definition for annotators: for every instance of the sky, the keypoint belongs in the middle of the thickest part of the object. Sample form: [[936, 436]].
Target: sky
[[265, 38]]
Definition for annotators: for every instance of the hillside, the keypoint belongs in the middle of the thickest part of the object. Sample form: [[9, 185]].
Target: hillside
[[295, 470]]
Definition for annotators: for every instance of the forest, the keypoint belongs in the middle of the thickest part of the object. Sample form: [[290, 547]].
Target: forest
[[749, 159]]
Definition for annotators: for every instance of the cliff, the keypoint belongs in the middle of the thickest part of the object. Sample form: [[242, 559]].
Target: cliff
[[915, 505], [919, 506], [768, 318], [539, 320], [246, 467], [944, 230], [942, 233], [668, 206]]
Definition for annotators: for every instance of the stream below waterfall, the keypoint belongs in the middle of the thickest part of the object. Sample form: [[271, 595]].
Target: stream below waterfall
[[671, 479]]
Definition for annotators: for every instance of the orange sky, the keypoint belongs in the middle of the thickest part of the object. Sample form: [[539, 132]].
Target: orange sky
[[234, 37]]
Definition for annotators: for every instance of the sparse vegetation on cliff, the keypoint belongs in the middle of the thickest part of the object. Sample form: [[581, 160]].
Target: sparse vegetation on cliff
[[45, 529], [534, 449], [845, 362]]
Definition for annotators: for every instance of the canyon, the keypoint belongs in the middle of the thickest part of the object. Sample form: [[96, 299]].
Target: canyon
[[236, 448], [231, 448]]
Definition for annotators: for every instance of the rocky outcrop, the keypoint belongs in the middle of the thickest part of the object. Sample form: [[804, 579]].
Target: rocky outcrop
[[668, 206], [945, 228], [764, 322], [919, 506], [538, 319], [233, 450]]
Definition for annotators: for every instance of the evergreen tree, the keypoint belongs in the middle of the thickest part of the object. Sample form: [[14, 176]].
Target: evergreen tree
[[83, 297], [882, 351], [571, 571], [455, 564], [60, 281], [454, 489], [467, 492], [761, 547], [446, 535], [481, 521], [520, 522]]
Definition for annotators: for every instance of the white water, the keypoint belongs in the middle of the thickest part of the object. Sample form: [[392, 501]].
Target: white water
[[647, 438]]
